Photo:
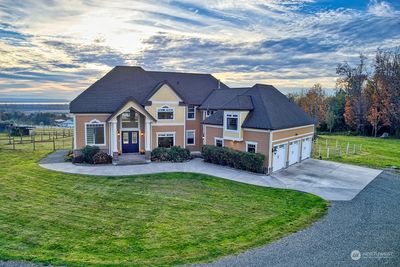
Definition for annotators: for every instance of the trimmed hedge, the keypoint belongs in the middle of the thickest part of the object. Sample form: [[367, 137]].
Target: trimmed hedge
[[88, 153], [102, 158], [253, 162], [174, 154]]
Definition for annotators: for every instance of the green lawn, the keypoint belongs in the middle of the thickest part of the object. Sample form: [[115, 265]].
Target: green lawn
[[375, 152], [163, 219]]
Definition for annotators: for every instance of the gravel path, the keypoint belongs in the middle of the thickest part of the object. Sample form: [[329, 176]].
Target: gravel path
[[370, 223]]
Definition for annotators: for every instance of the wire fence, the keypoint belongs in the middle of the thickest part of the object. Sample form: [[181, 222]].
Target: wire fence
[[333, 148], [40, 138]]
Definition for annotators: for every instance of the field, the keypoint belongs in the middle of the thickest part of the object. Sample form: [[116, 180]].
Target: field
[[365, 151], [148, 220], [42, 139]]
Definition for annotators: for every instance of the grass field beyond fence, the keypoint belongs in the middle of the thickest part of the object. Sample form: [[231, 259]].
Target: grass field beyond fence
[[365, 151], [42, 139]]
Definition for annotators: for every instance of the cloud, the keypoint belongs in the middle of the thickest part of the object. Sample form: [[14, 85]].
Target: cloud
[[380, 8], [61, 47]]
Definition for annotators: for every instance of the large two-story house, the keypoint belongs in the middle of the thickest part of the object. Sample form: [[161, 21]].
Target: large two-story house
[[131, 110]]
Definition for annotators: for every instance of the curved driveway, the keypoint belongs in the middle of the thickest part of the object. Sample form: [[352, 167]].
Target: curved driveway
[[370, 223]]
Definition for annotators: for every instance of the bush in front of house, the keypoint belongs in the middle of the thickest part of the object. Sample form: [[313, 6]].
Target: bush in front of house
[[174, 154], [88, 153], [78, 159], [253, 162], [102, 157], [69, 156]]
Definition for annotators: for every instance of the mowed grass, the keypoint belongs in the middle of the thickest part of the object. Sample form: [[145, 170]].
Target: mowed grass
[[375, 152], [147, 220]]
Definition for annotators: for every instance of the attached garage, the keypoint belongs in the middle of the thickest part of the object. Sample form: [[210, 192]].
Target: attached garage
[[306, 148], [279, 159], [294, 152]]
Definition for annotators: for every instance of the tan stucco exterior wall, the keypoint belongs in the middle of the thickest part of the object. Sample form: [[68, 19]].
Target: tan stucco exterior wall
[[80, 120], [179, 134], [261, 138], [281, 134]]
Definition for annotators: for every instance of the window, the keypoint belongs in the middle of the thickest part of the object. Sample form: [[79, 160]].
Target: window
[[130, 119], [251, 147], [232, 122], [165, 113], [190, 137], [191, 113], [95, 133], [209, 113], [165, 139], [219, 142]]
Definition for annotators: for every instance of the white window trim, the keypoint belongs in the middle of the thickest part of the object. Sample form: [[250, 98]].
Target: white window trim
[[187, 114], [205, 113], [194, 137], [94, 121], [165, 107], [219, 138], [165, 133], [251, 143], [130, 129], [238, 121]]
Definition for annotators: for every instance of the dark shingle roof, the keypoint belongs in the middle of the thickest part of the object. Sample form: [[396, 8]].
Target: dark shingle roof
[[108, 93], [272, 110]]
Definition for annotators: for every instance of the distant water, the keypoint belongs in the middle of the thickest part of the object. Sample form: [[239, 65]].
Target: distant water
[[30, 106]]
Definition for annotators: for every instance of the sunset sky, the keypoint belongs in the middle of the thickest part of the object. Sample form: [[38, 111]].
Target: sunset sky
[[56, 49]]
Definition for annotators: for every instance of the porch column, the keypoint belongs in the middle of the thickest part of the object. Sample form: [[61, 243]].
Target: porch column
[[114, 139], [147, 140]]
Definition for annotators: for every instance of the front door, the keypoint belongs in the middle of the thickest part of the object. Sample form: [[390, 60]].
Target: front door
[[130, 141]]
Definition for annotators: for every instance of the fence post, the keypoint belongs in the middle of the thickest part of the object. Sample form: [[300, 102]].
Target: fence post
[[360, 148], [13, 142], [54, 144], [319, 151], [327, 153], [347, 149], [9, 139], [41, 137], [56, 135], [34, 145], [354, 149], [326, 143]]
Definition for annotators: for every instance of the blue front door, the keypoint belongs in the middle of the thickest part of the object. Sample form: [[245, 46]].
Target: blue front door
[[130, 141]]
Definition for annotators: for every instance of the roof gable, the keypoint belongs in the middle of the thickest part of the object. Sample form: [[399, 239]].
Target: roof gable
[[164, 91]]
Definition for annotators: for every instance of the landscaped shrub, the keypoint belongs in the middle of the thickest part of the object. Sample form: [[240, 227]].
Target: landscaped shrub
[[102, 158], [253, 162], [160, 154], [88, 153], [178, 154], [69, 156], [78, 159], [175, 154]]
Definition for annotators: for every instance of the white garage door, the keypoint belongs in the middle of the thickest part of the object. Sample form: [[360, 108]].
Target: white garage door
[[279, 160], [294, 152], [306, 148]]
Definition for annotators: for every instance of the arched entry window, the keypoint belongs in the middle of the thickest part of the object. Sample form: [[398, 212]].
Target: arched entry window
[[130, 119]]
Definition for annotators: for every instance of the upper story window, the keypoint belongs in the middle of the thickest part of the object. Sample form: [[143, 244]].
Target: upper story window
[[209, 113], [191, 113], [165, 113], [231, 121], [95, 133], [130, 119]]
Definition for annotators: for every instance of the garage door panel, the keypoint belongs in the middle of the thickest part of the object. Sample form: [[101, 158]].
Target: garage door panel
[[294, 152], [279, 160], [306, 148]]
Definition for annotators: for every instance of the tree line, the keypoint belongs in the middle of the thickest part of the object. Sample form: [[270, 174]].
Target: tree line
[[365, 102], [35, 118]]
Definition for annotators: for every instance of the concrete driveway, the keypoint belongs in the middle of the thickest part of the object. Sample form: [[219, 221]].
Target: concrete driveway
[[330, 180]]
